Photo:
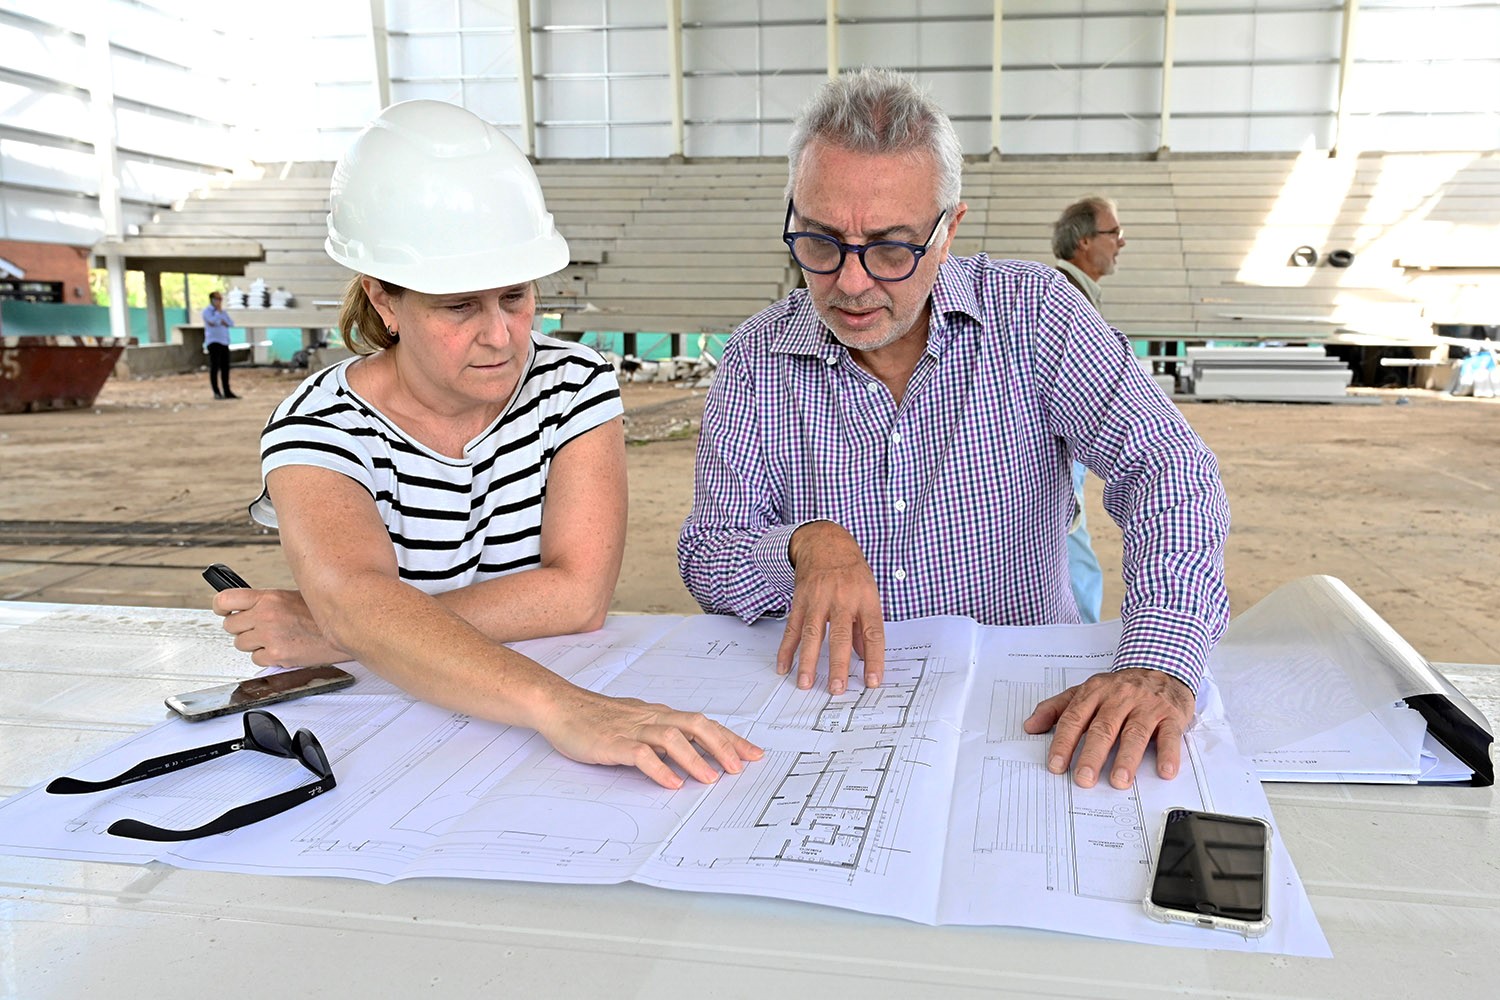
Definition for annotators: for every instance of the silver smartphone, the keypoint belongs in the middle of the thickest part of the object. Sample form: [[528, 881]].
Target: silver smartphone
[[1212, 870], [238, 697]]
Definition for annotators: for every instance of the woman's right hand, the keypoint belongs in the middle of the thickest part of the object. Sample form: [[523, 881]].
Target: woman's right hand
[[597, 729]]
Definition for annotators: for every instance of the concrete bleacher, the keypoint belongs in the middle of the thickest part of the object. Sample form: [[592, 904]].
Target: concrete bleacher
[[694, 247]]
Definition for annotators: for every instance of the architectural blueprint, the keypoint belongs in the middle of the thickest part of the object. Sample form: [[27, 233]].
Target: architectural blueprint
[[921, 799]]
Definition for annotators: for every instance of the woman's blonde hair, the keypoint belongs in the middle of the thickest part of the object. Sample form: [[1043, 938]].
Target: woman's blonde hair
[[359, 322]]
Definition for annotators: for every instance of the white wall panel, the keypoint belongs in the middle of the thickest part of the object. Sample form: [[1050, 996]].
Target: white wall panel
[[448, 91], [720, 48], [572, 100], [639, 51], [487, 13], [1290, 132], [720, 140], [1294, 88], [634, 100], [567, 12], [568, 52], [489, 54], [424, 56], [573, 143], [649, 140], [428, 16], [793, 47], [47, 166], [51, 55], [65, 114], [495, 102]]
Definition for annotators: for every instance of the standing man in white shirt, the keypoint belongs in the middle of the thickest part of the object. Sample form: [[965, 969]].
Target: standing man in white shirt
[[1087, 239]]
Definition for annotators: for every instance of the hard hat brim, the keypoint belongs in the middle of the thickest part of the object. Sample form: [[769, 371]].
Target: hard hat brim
[[511, 265]]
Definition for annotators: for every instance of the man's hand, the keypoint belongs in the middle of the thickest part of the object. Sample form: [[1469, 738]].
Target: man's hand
[[275, 627], [1133, 706], [836, 591]]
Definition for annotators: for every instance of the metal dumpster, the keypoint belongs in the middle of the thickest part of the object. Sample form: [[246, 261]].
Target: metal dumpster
[[54, 373]]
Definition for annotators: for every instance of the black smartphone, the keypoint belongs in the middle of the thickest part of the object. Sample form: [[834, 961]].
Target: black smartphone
[[1212, 870], [221, 577], [238, 696]]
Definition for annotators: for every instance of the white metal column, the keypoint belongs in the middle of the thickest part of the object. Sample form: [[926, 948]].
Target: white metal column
[[102, 103], [523, 71], [1346, 66], [833, 39], [1168, 41], [380, 46], [995, 61], [674, 56]]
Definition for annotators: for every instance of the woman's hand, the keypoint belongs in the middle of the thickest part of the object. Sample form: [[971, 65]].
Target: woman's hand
[[596, 729], [275, 628]]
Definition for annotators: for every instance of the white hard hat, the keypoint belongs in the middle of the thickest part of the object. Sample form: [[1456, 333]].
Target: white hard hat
[[433, 198]]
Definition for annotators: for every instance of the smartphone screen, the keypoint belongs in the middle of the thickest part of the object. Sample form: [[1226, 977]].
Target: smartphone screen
[[257, 691], [1212, 865]]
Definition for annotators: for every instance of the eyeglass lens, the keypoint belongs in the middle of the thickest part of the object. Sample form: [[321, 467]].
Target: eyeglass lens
[[270, 736], [821, 255]]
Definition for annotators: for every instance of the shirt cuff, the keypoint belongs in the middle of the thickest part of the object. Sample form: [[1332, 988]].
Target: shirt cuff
[[1169, 641], [769, 555]]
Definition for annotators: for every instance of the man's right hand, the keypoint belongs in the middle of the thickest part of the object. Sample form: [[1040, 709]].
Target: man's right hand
[[835, 592]]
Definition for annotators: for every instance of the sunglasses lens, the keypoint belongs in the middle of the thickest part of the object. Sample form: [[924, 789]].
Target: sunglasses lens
[[268, 733], [311, 753]]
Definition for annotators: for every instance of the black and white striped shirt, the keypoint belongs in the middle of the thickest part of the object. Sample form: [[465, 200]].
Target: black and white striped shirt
[[452, 521]]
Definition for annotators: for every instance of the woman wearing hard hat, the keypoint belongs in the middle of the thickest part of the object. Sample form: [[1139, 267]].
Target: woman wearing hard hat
[[408, 483]]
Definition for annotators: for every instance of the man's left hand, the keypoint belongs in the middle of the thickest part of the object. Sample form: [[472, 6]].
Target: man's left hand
[[1132, 706]]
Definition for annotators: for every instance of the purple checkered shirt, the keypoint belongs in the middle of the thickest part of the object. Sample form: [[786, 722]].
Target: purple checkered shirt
[[960, 497]]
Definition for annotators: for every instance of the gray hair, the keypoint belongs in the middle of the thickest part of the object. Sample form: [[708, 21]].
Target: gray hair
[[1079, 221], [878, 111]]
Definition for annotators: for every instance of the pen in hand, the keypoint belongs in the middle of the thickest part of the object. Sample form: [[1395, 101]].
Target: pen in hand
[[221, 577]]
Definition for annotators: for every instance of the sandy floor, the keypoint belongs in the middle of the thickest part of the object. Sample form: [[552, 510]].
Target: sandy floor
[[126, 502]]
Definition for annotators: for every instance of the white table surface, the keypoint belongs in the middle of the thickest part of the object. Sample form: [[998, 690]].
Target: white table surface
[[1405, 881]]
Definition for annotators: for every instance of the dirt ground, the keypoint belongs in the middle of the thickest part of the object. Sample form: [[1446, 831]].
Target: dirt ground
[[126, 502]]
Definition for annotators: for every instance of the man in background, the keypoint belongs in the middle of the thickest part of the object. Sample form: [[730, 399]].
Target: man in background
[[216, 324], [1087, 239]]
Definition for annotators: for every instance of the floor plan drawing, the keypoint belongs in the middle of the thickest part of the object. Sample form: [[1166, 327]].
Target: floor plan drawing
[[920, 798]]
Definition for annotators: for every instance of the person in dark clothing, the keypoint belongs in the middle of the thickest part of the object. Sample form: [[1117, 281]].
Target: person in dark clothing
[[216, 324]]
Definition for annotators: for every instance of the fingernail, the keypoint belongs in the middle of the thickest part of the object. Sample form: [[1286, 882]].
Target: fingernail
[[871, 680], [1085, 776], [1121, 778], [1169, 770], [1055, 765], [837, 687], [804, 682]]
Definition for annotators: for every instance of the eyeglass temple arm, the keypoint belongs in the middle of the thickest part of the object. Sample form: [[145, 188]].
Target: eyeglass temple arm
[[146, 769], [252, 812]]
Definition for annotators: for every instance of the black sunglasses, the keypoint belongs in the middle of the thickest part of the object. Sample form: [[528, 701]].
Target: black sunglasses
[[263, 732]]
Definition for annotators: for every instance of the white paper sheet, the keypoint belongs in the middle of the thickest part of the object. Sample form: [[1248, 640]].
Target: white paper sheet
[[921, 799]]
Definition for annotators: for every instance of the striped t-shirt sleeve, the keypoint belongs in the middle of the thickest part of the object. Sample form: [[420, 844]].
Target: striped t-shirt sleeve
[[312, 427]]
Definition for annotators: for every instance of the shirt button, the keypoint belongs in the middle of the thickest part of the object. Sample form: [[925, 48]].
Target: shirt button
[[896, 438], [830, 361], [900, 574], [900, 505], [873, 386]]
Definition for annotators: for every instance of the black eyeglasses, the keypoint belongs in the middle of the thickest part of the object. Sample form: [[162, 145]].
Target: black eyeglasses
[[1118, 232], [883, 260], [263, 732]]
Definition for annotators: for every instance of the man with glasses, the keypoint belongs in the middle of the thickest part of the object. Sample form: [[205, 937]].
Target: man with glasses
[[893, 441], [1087, 239]]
